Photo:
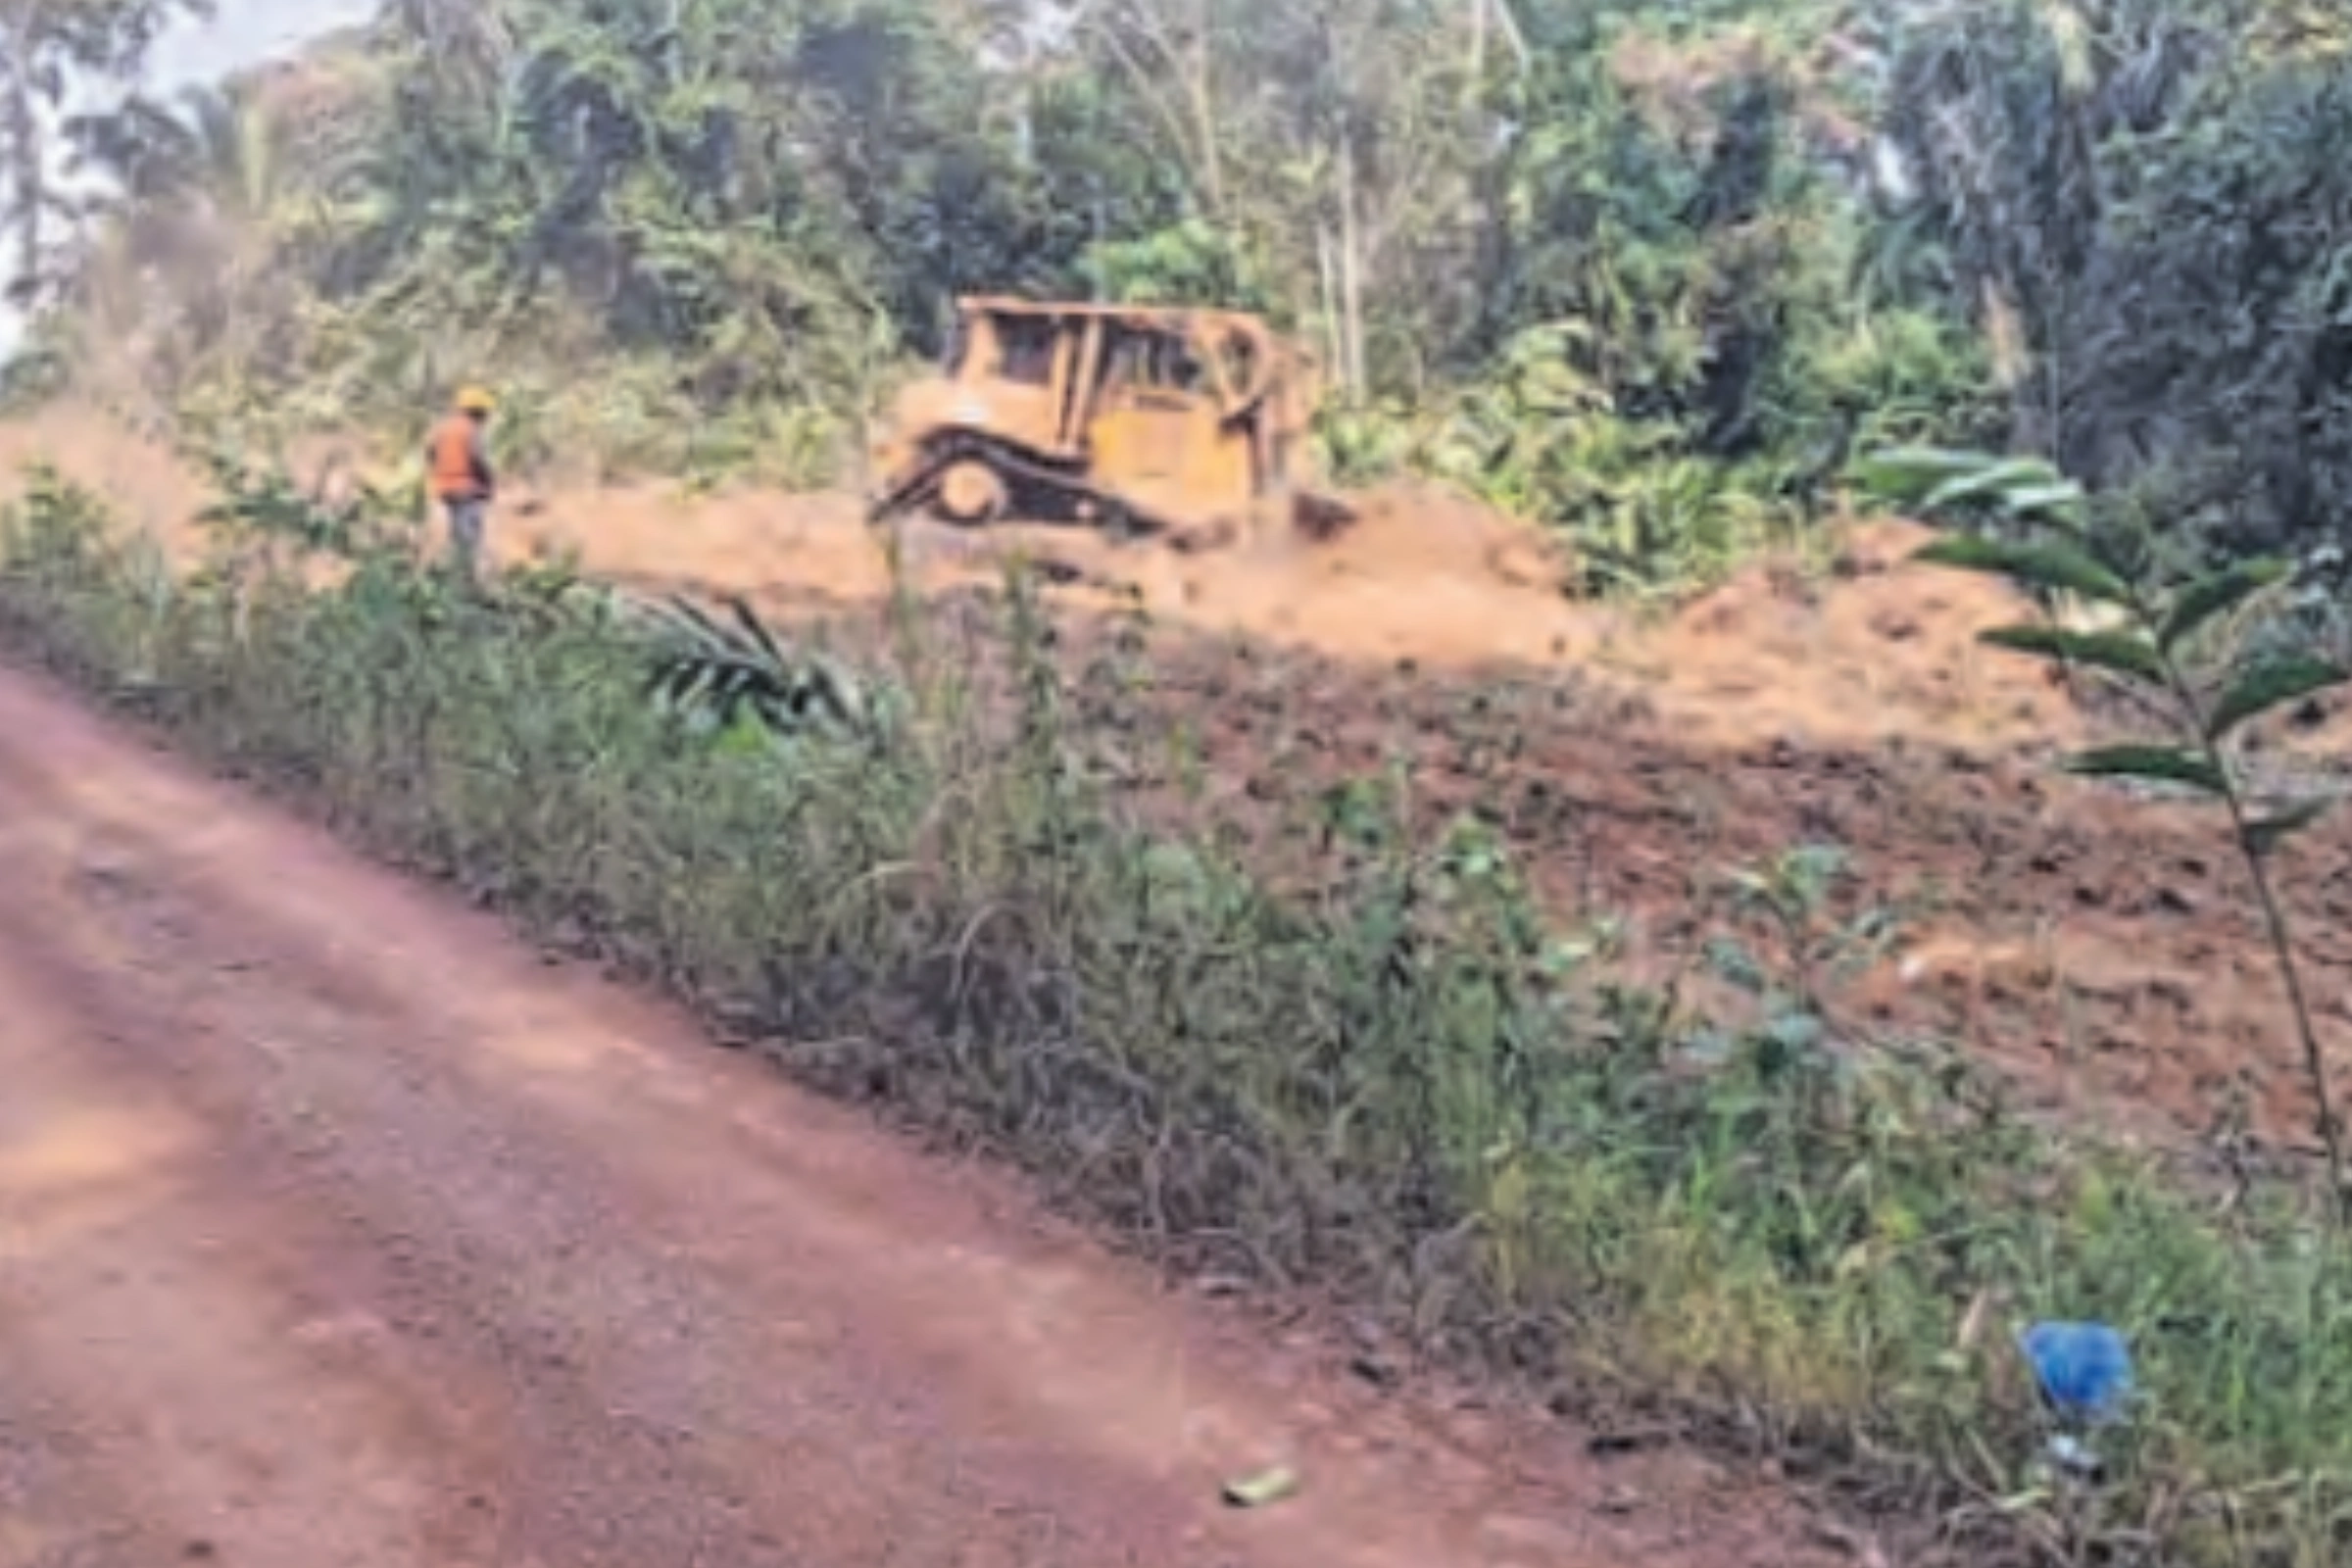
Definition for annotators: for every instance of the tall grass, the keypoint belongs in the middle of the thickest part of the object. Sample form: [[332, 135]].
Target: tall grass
[[1398, 1085]]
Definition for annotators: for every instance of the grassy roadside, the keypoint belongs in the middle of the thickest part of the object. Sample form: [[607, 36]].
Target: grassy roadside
[[1400, 1085]]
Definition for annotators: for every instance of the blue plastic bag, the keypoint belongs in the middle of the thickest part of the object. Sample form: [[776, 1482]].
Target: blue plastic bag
[[2084, 1369]]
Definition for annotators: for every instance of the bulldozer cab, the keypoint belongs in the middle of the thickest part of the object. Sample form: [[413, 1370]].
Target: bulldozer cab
[[1161, 416]]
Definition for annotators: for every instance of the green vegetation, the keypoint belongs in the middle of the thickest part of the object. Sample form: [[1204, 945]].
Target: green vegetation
[[1395, 1079], [1646, 272], [44, 44]]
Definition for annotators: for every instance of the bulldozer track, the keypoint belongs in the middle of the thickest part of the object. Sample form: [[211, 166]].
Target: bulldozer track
[[1118, 516]]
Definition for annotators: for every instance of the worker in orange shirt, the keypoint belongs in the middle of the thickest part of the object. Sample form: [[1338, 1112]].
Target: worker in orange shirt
[[461, 480]]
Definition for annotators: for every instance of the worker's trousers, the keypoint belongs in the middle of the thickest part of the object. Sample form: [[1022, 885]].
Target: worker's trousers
[[466, 517]]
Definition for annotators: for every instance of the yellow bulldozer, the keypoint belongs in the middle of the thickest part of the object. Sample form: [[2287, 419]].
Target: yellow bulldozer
[[1155, 421]]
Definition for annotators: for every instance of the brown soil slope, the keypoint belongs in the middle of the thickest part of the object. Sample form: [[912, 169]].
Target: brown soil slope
[[1421, 576], [2106, 952]]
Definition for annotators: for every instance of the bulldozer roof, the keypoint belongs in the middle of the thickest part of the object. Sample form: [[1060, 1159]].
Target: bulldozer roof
[[1161, 318], [1274, 361]]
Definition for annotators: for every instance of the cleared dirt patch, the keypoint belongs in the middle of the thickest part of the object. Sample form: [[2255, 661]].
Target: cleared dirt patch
[[1860, 653], [2103, 950]]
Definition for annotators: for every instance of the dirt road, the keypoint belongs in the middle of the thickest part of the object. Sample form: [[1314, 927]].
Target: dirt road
[[337, 1229]]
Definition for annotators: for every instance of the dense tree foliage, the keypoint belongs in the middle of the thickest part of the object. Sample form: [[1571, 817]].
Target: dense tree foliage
[[2149, 199], [43, 45], [1648, 270]]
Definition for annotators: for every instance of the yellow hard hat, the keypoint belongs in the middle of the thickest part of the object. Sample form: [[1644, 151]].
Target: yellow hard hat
[[477, 400]]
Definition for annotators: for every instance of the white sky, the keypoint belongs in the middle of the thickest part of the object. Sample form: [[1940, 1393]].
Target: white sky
[[245, 34]]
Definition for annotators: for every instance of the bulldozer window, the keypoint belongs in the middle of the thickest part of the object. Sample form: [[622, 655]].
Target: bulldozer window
[[1154, 362], [1028, 350], [1127, 365], [1237, 363]]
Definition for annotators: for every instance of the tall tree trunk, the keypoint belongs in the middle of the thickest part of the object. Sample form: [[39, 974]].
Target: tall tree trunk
[[1204, 109], [21, 158], [1334, 331], [1352, 297]]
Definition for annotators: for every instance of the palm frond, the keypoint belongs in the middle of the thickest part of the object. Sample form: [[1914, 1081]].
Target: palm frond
[[717, 674]]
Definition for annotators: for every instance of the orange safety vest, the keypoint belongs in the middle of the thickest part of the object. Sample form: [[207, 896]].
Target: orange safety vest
[[454, 474]]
